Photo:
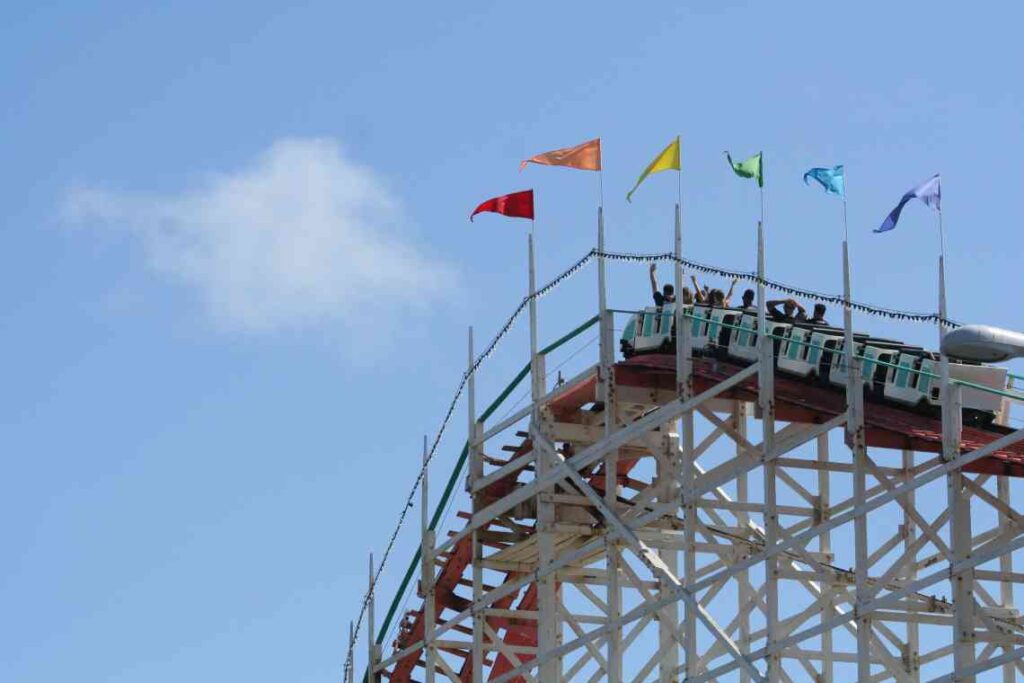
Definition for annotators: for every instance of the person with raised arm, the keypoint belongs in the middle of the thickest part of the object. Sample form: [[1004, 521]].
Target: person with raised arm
[[792, 311], [700, 294], [727, 301], [667, 295]]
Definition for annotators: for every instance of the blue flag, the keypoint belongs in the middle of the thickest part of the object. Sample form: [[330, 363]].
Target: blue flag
[[830, 178], [928, 192]]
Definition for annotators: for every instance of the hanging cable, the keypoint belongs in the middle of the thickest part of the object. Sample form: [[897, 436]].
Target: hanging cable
[[751, 277]]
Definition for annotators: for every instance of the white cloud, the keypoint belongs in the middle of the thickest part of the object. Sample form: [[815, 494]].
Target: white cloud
[[302, 237]]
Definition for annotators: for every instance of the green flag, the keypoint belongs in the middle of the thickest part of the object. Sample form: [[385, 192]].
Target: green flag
[[748, 168]]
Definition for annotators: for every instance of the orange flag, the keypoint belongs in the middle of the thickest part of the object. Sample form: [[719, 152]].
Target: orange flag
[[585, 157]]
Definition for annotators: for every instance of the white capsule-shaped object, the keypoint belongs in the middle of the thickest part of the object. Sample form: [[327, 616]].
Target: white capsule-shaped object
[[983, 343]]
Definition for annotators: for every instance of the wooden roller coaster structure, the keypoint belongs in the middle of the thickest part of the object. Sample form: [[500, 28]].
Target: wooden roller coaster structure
[[671, 517]]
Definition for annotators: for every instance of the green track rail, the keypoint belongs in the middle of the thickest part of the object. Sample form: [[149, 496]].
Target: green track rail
[[460, 464]]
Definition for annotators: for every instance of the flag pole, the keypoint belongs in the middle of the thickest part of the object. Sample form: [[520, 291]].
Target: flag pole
[[679, 180], [942, 280], [846, 227], [942, 237], [847, 296], [536, 374], [683, 359], [760, 183], [606, 396], [943, 358], [678, 270], [766, 404], [765, 399], [958, 503], [605, 326], [858, 447], [684, 389]]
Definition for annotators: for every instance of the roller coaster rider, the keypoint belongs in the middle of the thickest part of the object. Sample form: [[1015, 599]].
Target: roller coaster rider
[[793, 312], [668, 293], [748, 300]]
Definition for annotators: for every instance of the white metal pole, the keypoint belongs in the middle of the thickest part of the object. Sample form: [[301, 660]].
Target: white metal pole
[[475, 463], [846, 227], [684, 343], [605, 321], [613, 671], [858, 447], [536, 363], [606, 328], [942, 238], [766, 401], [948, 438], [475, 473], [947, 442], [857, 441], [684, 383], [371, 646], [427, 571]]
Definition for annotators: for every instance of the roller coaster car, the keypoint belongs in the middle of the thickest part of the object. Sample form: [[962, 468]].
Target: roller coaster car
[[891, 372]]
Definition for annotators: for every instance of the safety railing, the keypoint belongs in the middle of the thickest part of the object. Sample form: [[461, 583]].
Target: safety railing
[[460, 465]]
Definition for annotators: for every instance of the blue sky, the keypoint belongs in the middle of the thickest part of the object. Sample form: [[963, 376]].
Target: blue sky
[[237, 270]]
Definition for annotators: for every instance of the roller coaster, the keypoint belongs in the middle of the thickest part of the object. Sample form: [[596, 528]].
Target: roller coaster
[[890, 370], [683, 514]]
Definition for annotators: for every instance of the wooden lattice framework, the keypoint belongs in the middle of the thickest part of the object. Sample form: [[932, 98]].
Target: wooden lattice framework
[[735, 540]]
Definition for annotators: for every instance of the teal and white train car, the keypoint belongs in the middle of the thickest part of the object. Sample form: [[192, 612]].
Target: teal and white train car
[[649, 331], [890, 371]]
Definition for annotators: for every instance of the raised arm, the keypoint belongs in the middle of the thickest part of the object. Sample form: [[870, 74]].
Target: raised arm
[[654, 280], [699, 295], [732, 287], [770, 306]]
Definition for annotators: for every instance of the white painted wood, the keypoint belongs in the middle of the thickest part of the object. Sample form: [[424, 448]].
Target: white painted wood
[[698, 534], [427, 570]]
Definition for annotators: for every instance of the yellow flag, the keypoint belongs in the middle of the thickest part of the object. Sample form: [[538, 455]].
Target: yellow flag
[[667, 160]]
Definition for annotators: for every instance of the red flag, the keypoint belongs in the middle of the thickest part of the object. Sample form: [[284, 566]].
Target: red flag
[[516, 205]]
